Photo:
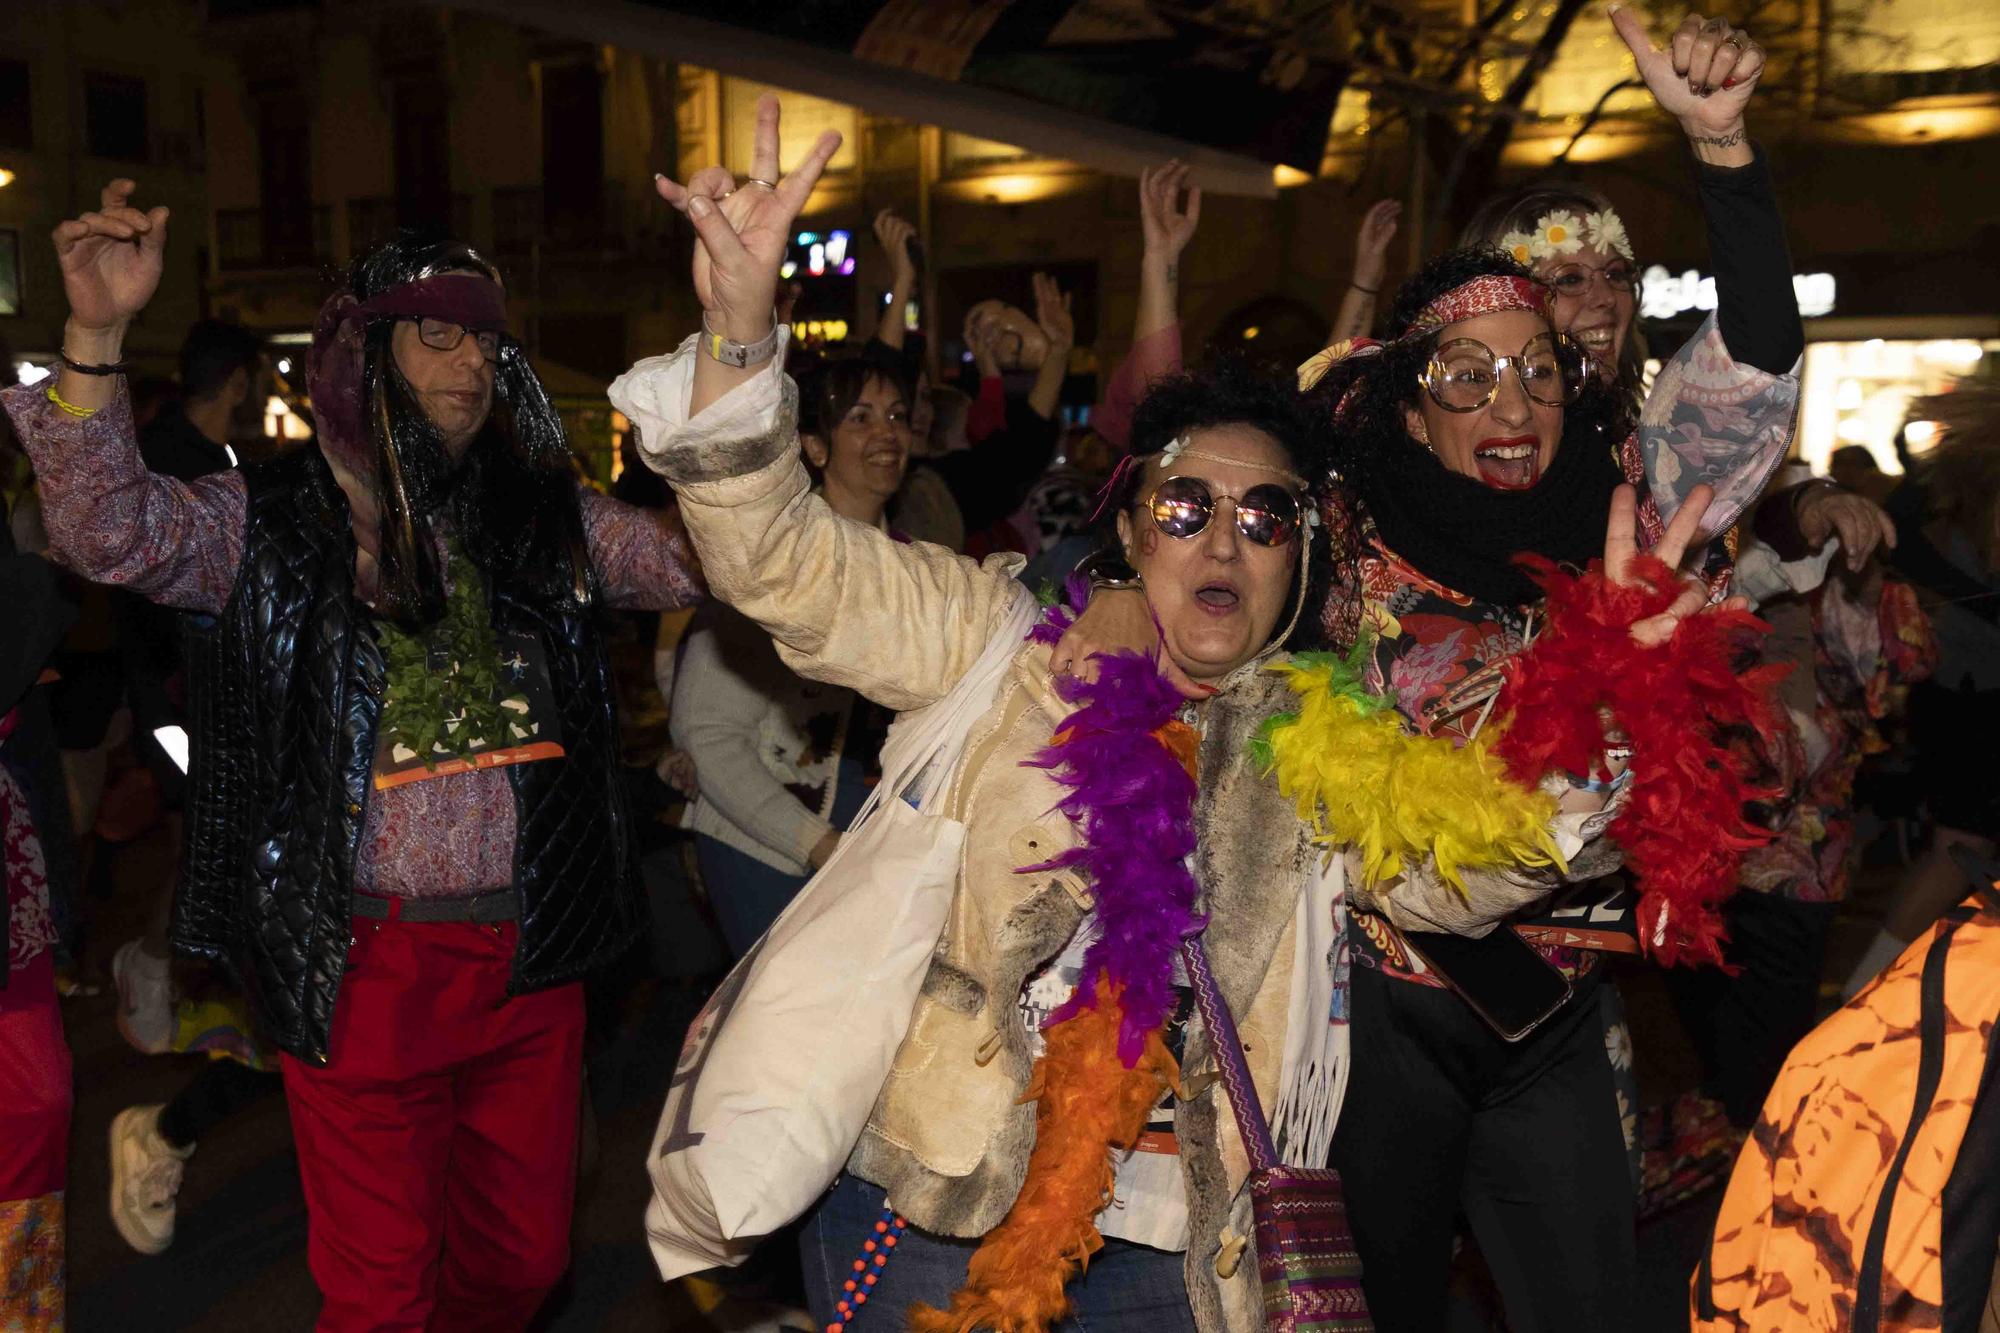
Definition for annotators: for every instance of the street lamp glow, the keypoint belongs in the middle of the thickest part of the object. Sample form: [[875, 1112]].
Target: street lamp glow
[[6, 178]]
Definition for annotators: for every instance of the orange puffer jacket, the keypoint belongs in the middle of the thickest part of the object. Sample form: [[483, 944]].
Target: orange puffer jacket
[[1868, 1197]]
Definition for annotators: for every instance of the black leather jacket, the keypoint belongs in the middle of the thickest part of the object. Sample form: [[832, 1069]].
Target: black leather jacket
[[285, 688]]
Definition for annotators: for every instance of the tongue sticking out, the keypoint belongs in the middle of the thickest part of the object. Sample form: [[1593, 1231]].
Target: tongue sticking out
[[1509, 474], [1218, 597]]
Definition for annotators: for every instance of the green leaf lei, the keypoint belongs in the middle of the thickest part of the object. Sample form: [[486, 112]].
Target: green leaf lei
[[443, 698]]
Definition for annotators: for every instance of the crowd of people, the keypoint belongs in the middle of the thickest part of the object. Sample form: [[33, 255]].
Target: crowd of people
[[1150, 845]]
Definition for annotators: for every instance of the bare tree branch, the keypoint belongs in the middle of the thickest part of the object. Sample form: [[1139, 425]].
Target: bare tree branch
[[1481, 155], [1597, 110]]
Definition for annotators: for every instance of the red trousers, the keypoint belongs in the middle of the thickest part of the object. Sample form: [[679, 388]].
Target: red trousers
[[438, 1145], [34, 1148]]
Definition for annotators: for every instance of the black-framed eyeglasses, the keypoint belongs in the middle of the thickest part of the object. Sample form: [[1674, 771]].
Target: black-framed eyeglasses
[[1573, 280], [1268, 514], [444, 336], [1464, 374]]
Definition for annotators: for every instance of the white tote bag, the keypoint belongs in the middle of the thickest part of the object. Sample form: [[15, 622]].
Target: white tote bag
[[781, 1068]]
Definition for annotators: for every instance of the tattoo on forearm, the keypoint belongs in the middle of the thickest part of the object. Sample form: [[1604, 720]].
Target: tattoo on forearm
[[1173, 273], [1729, 140]]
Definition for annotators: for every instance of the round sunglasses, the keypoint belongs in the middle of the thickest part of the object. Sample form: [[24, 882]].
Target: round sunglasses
[[1183, 507], [1464, 374]]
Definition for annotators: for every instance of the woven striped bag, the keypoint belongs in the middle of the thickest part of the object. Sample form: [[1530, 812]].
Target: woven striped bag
[[1306, 1260]]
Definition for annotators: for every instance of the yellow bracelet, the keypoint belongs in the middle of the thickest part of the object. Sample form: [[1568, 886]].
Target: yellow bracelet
[[81, 413]]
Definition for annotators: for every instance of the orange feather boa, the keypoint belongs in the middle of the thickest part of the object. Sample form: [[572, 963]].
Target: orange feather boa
[[1088, 1106]]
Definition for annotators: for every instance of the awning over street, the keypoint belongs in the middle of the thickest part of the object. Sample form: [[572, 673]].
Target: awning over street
[[1115, 85]]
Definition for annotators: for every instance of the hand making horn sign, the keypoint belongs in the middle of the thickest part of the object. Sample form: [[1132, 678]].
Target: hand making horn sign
[[741, 229]]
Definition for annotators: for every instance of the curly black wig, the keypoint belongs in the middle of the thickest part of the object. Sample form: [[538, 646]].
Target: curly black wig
[[1229, 391], [1453, 528]]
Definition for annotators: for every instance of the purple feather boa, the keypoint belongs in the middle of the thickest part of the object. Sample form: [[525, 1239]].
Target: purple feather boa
[[1056, 618], [1134, 805]]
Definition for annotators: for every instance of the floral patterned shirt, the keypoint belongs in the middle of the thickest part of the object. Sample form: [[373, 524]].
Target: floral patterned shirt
[[181, 543], [31, 929], [1443, 654]]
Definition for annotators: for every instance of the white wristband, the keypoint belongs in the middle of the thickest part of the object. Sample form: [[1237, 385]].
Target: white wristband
[[740, 355]]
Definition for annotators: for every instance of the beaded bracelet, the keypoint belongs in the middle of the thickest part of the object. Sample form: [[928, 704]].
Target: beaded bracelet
[[868, 1268], [80, 413]]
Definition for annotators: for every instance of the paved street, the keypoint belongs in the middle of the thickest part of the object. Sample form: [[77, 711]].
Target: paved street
[[238, 1262]]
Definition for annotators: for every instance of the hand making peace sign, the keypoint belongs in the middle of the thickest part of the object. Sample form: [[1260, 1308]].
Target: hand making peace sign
[[743, 227], [1621, 549]]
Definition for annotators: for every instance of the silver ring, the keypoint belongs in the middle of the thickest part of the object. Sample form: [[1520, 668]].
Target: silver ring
[[759, 180]]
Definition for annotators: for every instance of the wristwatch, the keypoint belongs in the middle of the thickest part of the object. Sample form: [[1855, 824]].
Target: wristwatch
[[740, 355], [1106, 569]]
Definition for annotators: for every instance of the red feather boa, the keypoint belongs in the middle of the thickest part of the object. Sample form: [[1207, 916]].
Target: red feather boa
[[1684, 829]]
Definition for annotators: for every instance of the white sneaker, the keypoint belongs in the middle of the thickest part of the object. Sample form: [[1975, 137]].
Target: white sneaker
[[145, 1178], [145, 998]]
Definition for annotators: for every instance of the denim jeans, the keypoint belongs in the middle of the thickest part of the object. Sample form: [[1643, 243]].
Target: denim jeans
[[748, 895], [1126, 1288]]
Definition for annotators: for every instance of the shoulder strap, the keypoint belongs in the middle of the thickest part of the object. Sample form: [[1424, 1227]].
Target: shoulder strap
[[1250, 1121], [922, 745]]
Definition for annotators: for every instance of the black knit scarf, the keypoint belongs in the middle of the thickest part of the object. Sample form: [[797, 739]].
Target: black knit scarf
[[1465, 534]]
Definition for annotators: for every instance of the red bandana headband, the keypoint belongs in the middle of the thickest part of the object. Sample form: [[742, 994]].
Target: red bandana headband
[[1482, 296]]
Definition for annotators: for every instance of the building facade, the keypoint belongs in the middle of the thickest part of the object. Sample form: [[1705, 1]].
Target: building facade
[[289, 135], [90, 92]]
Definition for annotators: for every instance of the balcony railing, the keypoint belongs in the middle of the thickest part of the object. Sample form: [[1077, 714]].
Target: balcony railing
[[251, 238]]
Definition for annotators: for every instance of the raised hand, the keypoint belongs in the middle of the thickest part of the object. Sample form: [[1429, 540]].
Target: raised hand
[[1371, 244], [1052, 314], [1860, 523], [896, 236], [742, 229], [1168, 224], [111, 260], [982, 338], [1704, 76], [1621, 553]]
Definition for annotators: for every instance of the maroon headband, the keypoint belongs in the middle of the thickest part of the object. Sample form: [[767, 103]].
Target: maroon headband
[[457, 298], [333, 367]]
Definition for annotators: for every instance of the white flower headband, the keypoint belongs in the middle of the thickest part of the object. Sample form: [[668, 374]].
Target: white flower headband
[[1560, 233]]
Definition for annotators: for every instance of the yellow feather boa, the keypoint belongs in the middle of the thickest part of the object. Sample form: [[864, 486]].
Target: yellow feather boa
[[1360, 779]]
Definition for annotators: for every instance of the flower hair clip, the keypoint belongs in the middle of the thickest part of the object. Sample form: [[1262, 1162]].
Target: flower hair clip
[[1175, 448]]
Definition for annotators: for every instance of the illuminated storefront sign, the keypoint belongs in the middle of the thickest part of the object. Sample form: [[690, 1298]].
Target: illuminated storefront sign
[[1664, 296]]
